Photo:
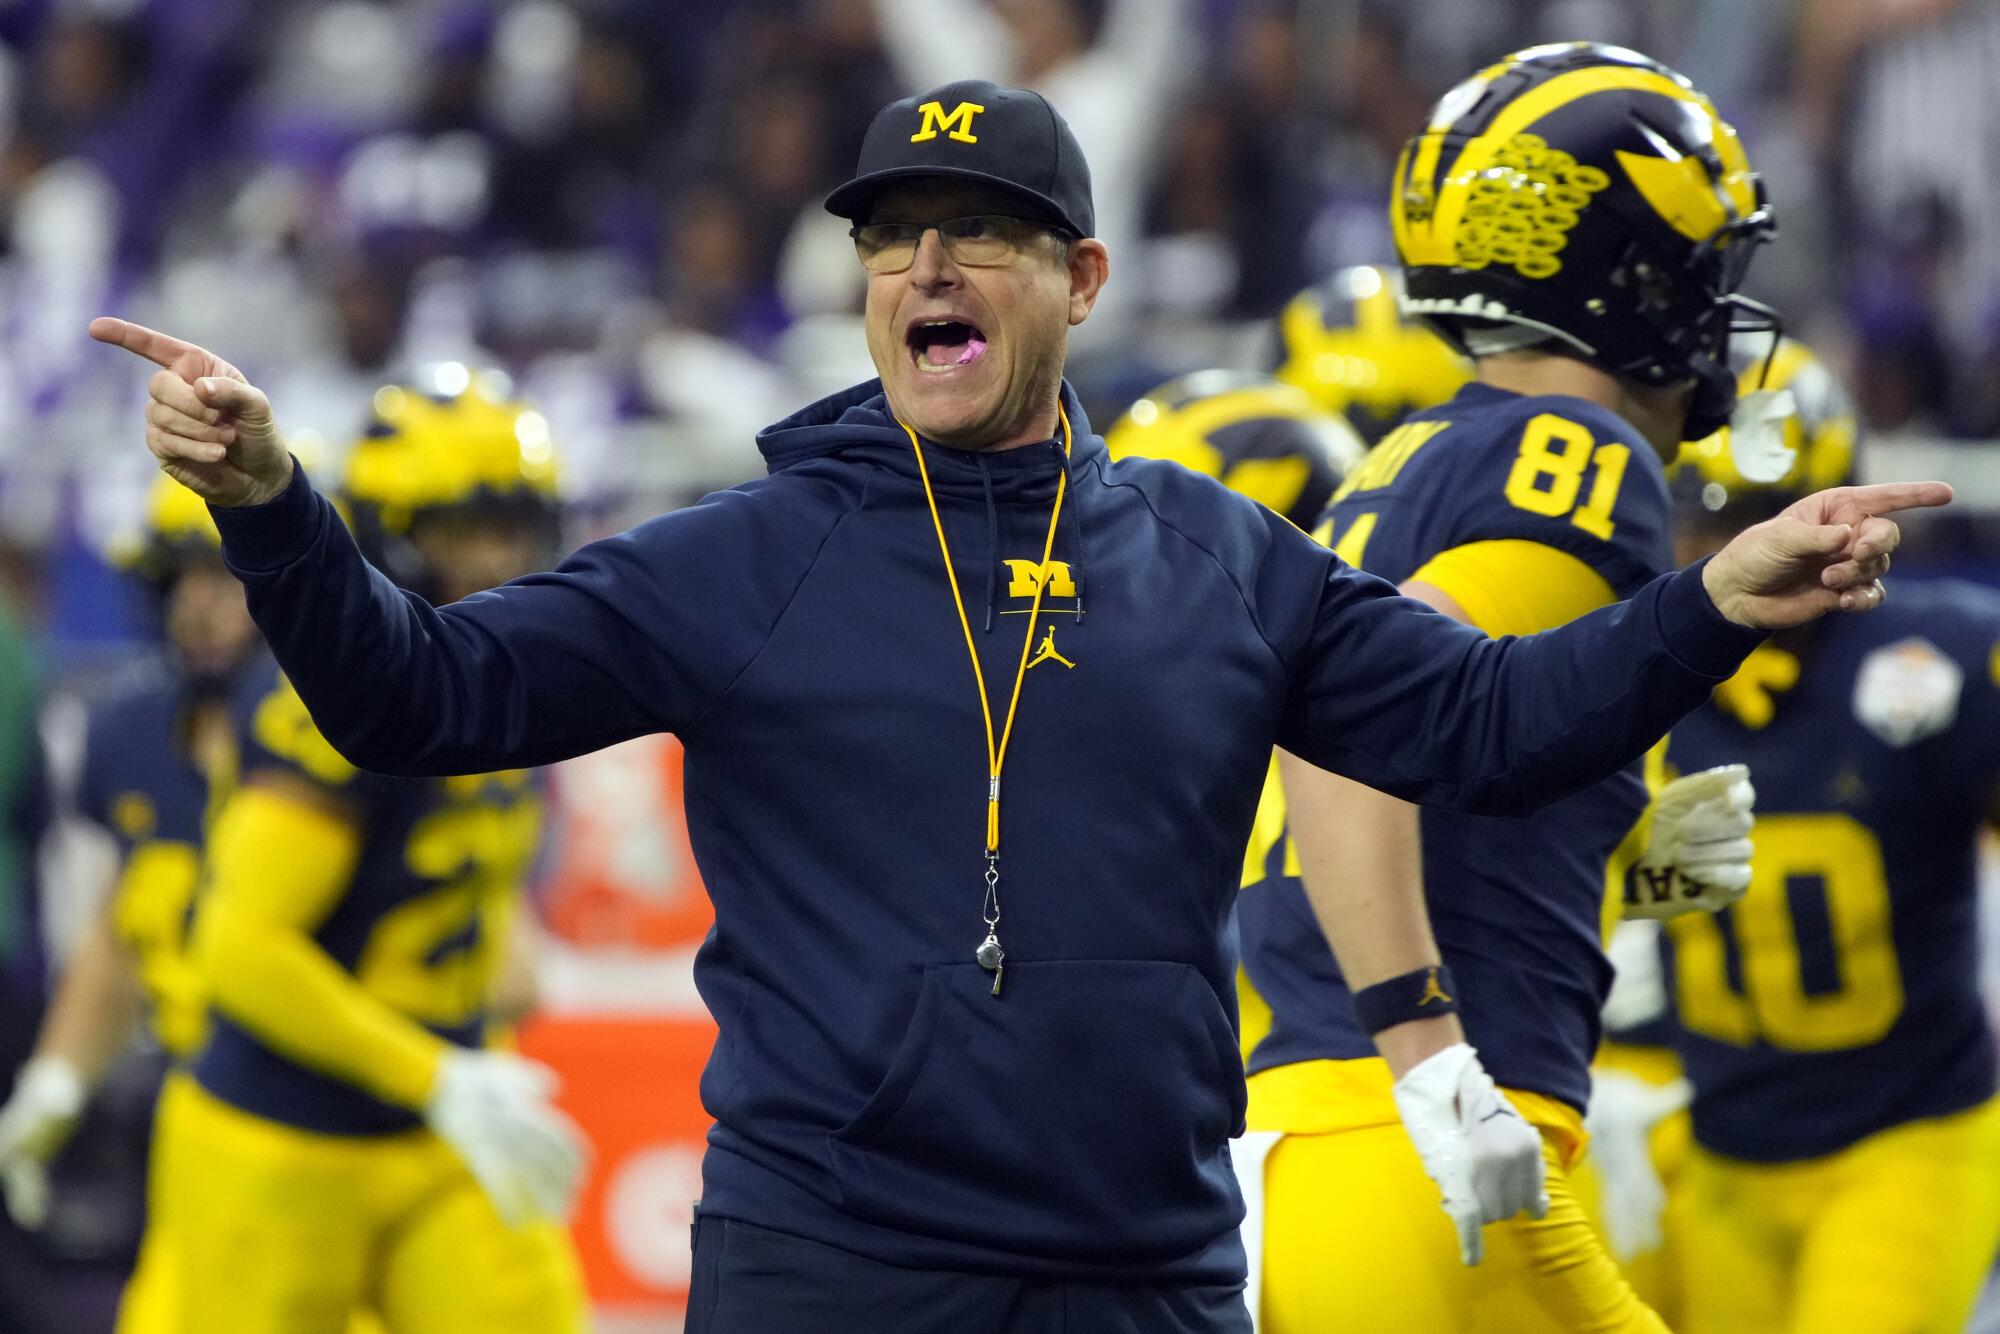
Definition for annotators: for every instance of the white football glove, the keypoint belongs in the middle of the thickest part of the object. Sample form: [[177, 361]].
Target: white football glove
[[34, 1125], [1638, 983], [1623, 1111], [1486, 1161], [1698, 859], [493, 1108]]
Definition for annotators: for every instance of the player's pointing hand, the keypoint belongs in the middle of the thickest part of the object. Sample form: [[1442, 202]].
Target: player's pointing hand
[[210, 428], [1824, 553]]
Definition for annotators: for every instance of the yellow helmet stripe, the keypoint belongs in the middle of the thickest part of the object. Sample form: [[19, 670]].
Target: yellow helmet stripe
[[1682, 190], [1212, 413], [1378, 314], [1400, 227], [1447, 113]]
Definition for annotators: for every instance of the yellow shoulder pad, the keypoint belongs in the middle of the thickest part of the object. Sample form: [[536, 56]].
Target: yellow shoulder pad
[[1516, 587]]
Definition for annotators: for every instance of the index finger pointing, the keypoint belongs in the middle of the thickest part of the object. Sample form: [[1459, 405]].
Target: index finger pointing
[[154, 346], [1889, 497]]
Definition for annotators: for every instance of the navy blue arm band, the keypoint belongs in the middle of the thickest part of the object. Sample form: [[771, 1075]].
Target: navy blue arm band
[[1424, 993]]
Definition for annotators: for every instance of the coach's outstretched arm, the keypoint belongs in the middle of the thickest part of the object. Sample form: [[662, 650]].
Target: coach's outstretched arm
[[524, 675], [1406, 700]]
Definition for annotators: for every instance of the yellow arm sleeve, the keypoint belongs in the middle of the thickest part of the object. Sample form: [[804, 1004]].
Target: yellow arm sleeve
[[1516, 587], [278, 865]]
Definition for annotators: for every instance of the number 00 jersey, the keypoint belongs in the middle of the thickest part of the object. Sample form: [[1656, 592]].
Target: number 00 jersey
[[1840, 996], [420, 924], [1529, 512]]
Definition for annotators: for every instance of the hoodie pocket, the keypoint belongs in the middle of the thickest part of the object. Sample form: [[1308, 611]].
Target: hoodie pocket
[[1082, 1113]]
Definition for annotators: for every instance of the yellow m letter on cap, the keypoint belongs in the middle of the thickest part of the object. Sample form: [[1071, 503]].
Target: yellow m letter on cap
[[957, 124]]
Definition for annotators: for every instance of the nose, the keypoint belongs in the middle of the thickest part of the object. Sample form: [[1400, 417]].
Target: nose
[[932, 269]]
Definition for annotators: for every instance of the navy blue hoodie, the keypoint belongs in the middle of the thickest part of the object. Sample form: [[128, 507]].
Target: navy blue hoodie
[[797, 633]]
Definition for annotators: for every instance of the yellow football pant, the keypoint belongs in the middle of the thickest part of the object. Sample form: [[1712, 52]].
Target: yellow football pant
[[259, 1228], [1891, 1236], [1354, 1238]]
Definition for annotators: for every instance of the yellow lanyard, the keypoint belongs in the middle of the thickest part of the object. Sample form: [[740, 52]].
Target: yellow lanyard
[[989, 954]]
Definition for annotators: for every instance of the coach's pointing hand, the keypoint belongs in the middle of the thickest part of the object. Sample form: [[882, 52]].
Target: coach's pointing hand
[[1825, 553], [211, 429]]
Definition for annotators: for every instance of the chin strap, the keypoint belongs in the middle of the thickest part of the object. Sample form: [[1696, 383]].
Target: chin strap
[[1714, 399], [1715, 390]]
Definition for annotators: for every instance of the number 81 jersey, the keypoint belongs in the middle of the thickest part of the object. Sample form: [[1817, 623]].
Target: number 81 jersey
[[1840, 996], [420, 925], [1528, 512]]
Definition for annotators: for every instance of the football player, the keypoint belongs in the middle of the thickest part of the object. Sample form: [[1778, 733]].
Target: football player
[[1845, 1173], [159, 753], [349, 1138], [1576, 219], [1269, 440], [1638, 1123], [1347, 343]]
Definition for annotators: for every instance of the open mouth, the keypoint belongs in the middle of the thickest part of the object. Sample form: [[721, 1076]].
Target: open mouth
[[945, 345]]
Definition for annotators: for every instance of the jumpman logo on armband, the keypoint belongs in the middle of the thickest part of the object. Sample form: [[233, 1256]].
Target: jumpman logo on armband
[[1047, 652], [1432, 991]]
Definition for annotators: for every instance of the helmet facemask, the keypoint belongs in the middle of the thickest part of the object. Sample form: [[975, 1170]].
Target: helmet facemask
[[1695, 314]]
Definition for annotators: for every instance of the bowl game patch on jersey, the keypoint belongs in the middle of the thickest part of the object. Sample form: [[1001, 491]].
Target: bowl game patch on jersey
[[1907, 691]]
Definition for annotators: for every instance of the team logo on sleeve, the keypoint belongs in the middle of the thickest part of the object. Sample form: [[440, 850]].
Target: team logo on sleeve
[[1907, 691]]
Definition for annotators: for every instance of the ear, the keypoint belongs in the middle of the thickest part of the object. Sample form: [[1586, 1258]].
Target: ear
[[1089, 270]]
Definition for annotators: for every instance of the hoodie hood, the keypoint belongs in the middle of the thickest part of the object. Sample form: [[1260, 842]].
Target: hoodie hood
[[856, 424]]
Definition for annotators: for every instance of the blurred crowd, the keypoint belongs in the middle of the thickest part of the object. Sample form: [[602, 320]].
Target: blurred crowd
[[617, 200]]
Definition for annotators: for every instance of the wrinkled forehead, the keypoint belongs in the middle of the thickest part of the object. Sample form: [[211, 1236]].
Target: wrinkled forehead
[[933, 199]]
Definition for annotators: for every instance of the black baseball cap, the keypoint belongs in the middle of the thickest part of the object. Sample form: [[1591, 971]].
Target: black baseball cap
[[975, 130]]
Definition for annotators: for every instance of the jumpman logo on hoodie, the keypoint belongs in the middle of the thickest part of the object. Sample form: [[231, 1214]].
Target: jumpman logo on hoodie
[[1047, 652]]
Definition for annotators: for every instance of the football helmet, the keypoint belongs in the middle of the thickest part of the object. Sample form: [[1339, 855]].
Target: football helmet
[[175, 532], [1346, 343], [1585, 196], [206, 631], [1265, 439], [455, 441], [1820, 439]]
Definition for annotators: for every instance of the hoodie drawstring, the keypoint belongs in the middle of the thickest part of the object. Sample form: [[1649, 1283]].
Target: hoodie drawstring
[[1076, 528], [992, 540]]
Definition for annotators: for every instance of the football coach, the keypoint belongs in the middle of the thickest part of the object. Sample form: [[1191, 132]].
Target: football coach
[[976, 722]]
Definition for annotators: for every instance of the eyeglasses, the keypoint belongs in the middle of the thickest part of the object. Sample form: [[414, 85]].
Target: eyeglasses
[[984, 240]]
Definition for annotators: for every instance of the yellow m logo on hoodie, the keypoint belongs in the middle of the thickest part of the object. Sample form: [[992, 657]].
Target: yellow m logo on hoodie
[[1032, 574]]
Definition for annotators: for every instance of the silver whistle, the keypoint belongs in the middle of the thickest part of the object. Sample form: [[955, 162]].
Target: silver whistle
[[992, 958]]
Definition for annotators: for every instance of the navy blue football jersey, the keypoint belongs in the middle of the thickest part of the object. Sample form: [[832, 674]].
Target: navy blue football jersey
[[1517, 905], [420, 925], [141, 783], [1840, 996]]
